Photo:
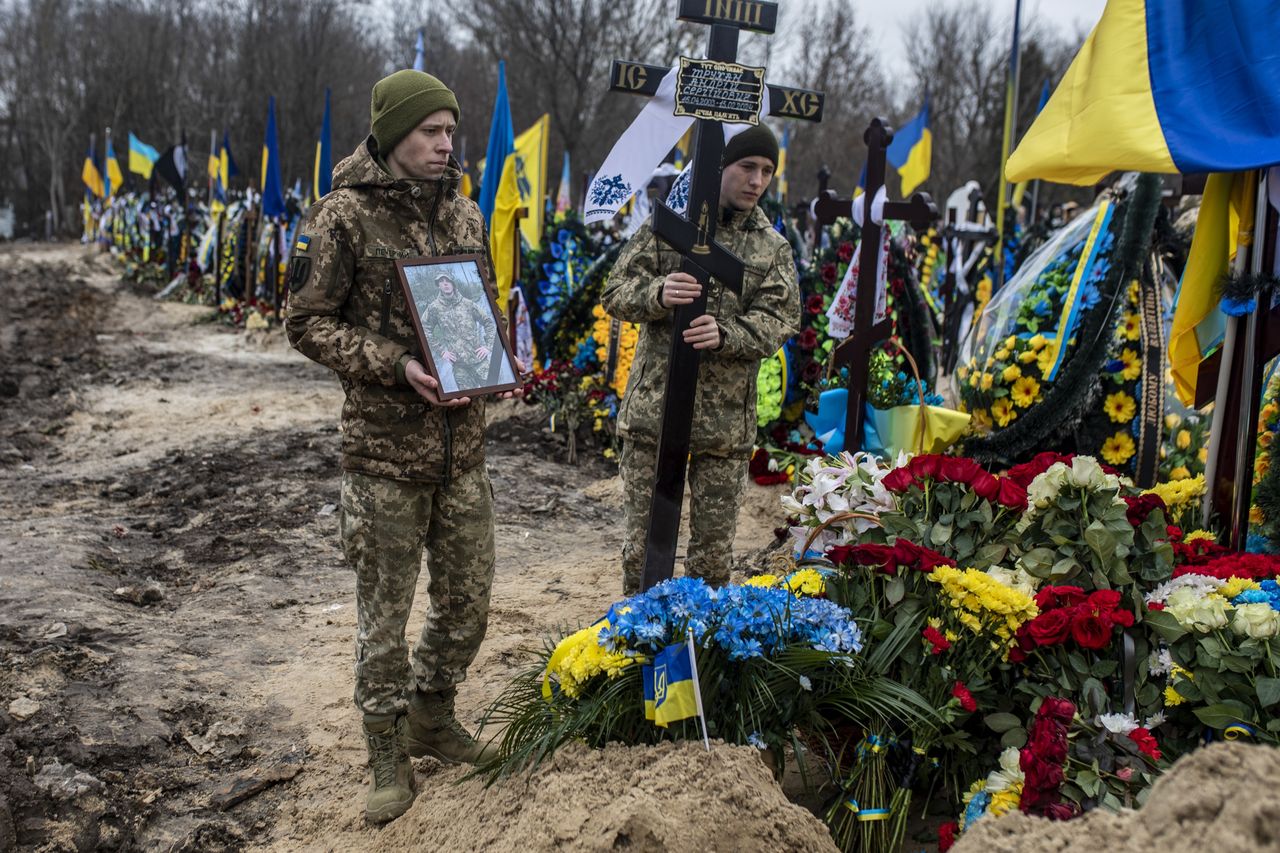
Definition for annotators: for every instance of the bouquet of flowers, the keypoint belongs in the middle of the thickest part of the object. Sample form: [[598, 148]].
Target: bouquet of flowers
[[831, 486]]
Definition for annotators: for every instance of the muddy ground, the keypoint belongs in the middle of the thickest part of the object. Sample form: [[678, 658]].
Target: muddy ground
[[176, 621]]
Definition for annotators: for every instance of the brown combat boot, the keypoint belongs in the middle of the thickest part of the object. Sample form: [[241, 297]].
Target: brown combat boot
[[434, 731], [393, 787]]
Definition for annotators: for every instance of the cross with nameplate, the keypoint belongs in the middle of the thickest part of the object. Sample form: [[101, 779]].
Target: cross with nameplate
[[713, 90], [855, 351]]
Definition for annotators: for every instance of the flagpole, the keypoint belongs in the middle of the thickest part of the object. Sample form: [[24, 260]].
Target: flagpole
[[1010, 124], [697, 691]]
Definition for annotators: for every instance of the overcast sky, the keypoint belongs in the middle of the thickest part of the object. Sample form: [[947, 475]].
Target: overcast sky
[[886, 18]]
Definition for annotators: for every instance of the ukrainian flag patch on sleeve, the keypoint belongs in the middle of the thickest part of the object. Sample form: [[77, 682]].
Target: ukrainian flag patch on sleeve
[[304, 242]]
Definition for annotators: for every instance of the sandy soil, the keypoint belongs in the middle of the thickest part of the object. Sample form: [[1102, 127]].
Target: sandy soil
[[176, 620], [1224, 798]]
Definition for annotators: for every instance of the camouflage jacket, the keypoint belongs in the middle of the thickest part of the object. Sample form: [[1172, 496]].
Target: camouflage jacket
[[754, 325], [347, 311]]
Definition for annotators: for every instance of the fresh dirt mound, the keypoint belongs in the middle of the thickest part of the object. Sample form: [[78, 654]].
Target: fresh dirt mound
[[1224, 798], [670, 797]]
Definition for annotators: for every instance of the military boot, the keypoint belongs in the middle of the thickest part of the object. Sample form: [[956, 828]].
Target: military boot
[[434, 731], [393, 787]]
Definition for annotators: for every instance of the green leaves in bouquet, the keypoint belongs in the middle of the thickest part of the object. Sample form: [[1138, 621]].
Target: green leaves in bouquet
[[954, 521], [1083, 537]]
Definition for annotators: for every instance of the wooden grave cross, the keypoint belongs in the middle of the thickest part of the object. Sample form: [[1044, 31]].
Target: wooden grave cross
[[712, 90], [962, 242], [855, 351]]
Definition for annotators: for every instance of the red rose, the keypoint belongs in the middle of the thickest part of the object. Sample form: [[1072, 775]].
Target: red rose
[[867, 554], [936, 639], [899, 480], [1017, 655], [1173, 532], [1123, 618], [1059, 596], [811, 372], [1026, 472], [808, 339], [829, 273], [1155, 605], [1142, 506], [1091, 632], [926, 465], [1012, 494], [909, 554], [1061, 811], [961, 469], [1050, 628], [1047, 741], [845, 251], [986, 486], [815, 304], [1103, 600], [1146, 743], [1055, 708], [947, 836], [967, 702]]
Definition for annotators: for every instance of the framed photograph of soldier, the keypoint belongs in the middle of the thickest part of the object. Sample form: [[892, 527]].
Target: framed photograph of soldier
[[458, 326]]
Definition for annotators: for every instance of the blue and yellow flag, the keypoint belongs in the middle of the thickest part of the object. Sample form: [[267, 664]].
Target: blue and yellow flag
[[674, 695], [142, 157], [1224, 222], [524, 184], [113, 178], [564, 197], [272, 189], [911, 151], [90, 175], [1163, 86], [322, 177], [501, 143]]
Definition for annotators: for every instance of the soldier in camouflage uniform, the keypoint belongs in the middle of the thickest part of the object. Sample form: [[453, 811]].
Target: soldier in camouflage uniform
[[413, 466], [734, 336], [465, 332]]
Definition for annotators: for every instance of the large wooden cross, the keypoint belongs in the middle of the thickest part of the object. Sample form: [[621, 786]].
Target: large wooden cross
[[713, 90], [855, 351]]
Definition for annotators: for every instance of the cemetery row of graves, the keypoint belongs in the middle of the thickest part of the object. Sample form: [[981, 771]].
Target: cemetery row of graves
[[1032, 549]]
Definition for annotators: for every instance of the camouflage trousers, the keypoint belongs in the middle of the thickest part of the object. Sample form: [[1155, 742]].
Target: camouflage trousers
[[715, 494], [385, 525]]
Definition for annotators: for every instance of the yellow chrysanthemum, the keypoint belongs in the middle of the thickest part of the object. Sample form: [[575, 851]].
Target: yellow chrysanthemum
[[1199, 534], [762, 580], [1011, 373], [982, 604], [1003, 412], [1024, 392], [1117, 449], [1180, 473], [1120, 407], [579, 657], [807, 582], [1132, 365], [1235, 586], [1008, 800]]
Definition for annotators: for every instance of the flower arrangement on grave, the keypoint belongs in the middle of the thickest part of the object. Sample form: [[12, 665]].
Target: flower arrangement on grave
[[1045, 355], [570, 398], [776, 662]]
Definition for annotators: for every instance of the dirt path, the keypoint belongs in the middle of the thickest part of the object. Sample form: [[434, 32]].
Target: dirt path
[[176, 621]]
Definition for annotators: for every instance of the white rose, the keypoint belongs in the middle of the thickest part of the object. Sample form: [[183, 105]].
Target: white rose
[[1256, 620]]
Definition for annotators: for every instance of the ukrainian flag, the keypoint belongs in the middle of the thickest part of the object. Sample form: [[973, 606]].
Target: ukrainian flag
[[1163, 86], [322, 178], [114, 178], [911, 151], [782, 164], [142, 157], [674, 695], [272, 190], [91, 176], [523, 184]]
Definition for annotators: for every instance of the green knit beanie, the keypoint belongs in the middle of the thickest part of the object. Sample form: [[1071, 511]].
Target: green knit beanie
[[757, 141], [400, 103]]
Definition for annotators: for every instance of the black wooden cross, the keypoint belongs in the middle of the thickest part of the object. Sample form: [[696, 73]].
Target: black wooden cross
[[855, 351], [713, 90]]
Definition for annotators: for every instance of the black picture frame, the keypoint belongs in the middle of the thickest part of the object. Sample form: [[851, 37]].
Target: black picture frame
[[454, 326]]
